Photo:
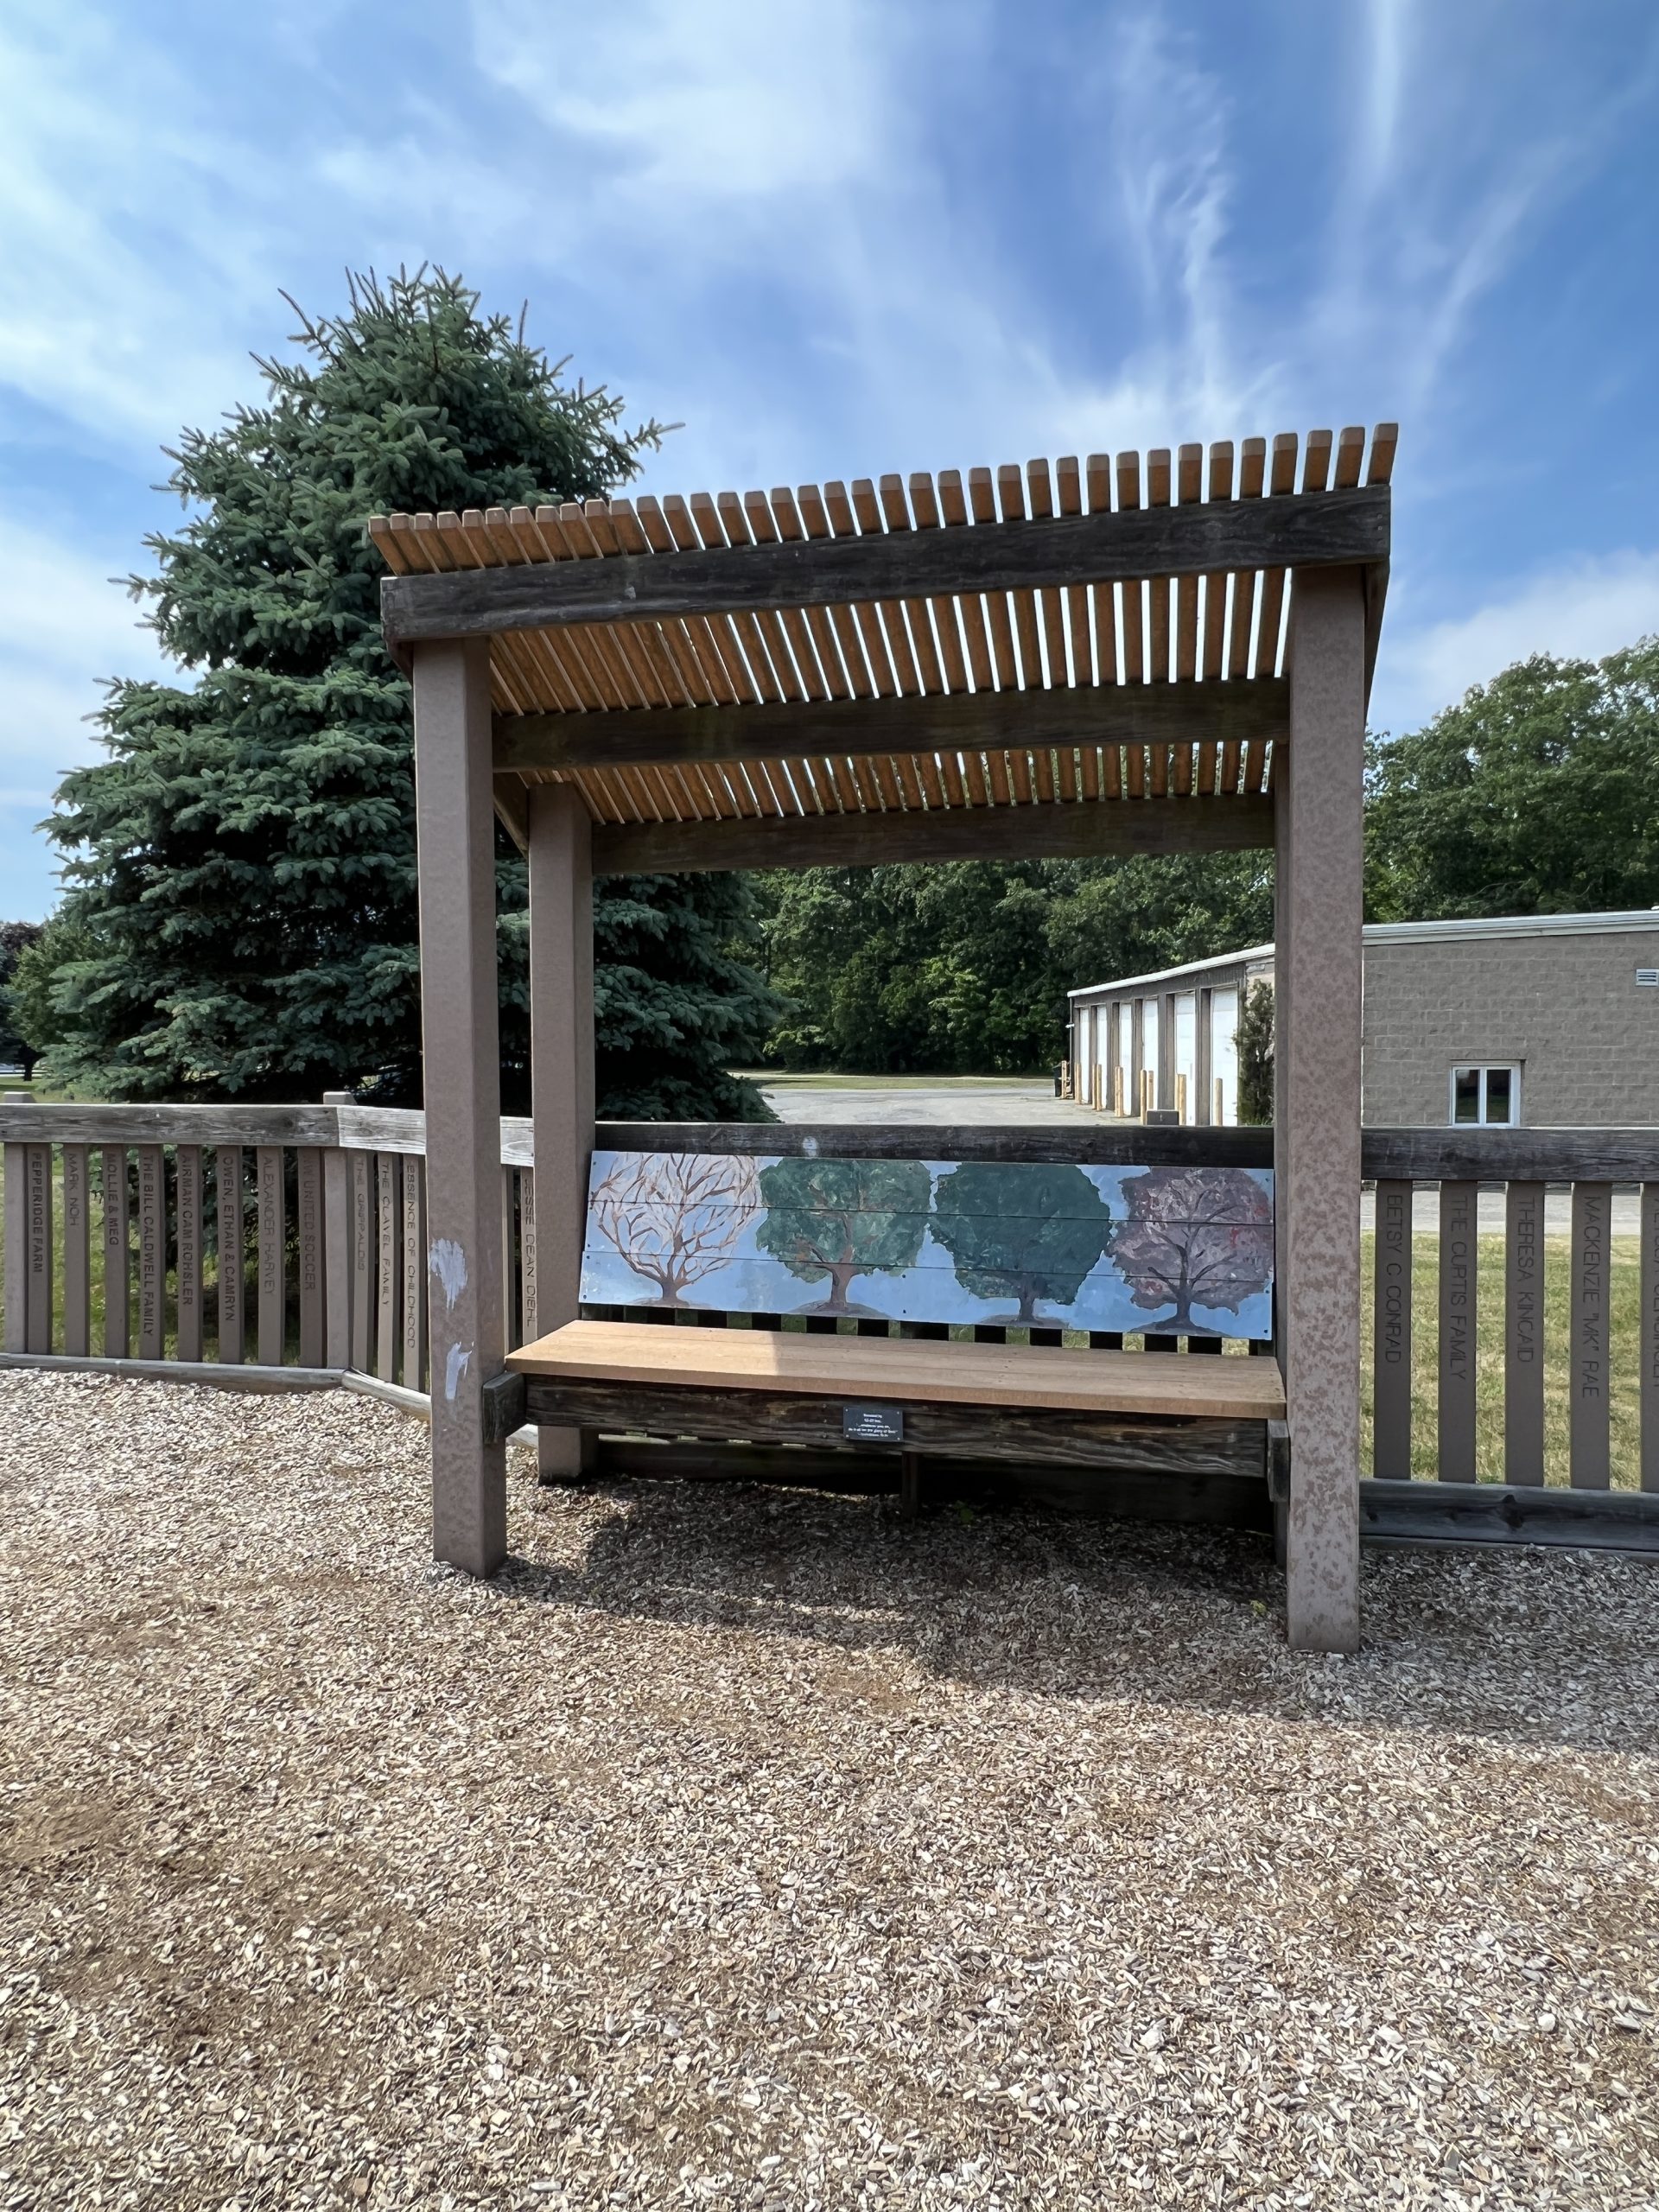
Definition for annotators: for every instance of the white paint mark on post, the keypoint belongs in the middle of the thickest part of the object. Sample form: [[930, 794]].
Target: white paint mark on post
[[447, 1263], [455, 1366]]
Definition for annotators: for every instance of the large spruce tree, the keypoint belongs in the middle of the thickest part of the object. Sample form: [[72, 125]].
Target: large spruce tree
[[239, 920]]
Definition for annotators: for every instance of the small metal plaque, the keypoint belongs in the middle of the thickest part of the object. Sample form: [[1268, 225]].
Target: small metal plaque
[[872, 1424]]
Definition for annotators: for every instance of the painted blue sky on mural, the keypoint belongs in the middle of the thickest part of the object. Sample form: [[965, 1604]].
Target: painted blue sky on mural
[[1118, 1249]]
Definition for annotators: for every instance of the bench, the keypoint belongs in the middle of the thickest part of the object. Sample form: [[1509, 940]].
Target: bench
[[880, 1259]]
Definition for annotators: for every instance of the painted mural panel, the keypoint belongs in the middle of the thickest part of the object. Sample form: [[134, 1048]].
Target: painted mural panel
[[1186, 1251]]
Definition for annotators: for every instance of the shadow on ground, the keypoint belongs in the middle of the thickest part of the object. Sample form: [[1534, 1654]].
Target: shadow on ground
[[1528, 1646]]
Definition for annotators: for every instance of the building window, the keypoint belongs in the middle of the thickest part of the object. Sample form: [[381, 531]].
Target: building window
[[1486, 1098]]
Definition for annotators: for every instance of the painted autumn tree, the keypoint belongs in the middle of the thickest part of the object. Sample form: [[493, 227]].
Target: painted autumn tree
[[833, 1220], [674, 1217], [1193, 1237], [1020, 1232]]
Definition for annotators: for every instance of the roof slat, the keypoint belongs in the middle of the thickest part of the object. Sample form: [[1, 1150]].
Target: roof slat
[[1149, 628]]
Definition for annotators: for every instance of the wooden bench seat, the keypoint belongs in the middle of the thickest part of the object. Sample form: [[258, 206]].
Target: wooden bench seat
[[1003, 1376], [1133, 1412]]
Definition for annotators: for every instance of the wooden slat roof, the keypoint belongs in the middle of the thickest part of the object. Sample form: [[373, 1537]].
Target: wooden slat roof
[[816, 664]]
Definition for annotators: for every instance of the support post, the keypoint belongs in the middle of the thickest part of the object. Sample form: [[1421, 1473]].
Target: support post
[[455, 831], [1316, 1107], [561, 1070]]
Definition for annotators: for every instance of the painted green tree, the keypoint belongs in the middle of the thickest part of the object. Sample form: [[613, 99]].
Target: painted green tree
[[1029, 1234], [833, 1220]]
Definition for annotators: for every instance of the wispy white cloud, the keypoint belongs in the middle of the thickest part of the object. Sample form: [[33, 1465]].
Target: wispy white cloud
[[65, 625], [711, 103], [1583, 610], [127, 217]]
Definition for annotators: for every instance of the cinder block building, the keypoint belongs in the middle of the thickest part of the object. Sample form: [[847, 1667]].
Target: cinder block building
[[1549, 1020]]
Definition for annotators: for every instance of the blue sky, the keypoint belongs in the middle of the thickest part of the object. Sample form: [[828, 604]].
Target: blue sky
[[836, 237]]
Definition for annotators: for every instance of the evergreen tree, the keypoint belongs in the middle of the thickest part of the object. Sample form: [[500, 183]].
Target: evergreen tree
[[1254, 1038], [241, 908]]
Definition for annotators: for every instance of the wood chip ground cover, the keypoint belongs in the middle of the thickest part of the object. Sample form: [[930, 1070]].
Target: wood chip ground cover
[[739, 1847]]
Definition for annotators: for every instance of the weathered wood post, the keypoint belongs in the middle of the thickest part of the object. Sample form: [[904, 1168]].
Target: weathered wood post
[[560, 1068], [1316, 1105], [455, 829]]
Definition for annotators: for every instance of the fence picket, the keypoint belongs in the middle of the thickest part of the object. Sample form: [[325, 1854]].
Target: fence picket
[[152, 1252], [1648, 1355], [1391, 1334], [511, 1336], [1459, 1250], [527, 1253], [232, 1255], [307, 1193], [188, 1203], [118, 1255], [362, 1263], [270, 1230], [38, 1296], [77, 1253], [414, 1273], [16, 1248], [1523, 1333], [388, 1265], [1589, 1367]]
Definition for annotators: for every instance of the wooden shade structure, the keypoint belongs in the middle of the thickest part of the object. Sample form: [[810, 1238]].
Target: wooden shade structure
[[1097, 656]]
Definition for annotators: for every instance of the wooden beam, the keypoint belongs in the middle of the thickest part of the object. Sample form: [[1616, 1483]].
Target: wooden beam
[[1312, 529], [1062, 830], [1477, 1155], [658, 1408], [1129, 714], [1086, 1142], [512, 810], [1432, 1513], [66, 1122]]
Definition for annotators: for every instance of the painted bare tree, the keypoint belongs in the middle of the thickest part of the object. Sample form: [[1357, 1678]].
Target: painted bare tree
[[1193, 1237], [675, 1217]]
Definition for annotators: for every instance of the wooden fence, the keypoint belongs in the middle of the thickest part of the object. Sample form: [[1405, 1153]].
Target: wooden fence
[[293, 1239]]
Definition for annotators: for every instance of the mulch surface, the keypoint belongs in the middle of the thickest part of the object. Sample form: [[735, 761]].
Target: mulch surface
[[742, 1847]]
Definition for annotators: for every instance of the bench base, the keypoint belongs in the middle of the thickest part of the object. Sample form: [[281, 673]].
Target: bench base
[[1193, 1499], [1145, 1443]]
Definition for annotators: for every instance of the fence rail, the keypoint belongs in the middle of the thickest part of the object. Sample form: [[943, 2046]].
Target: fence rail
[[1514, 1331]]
